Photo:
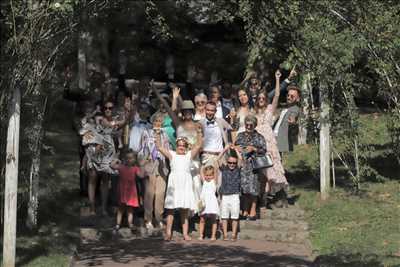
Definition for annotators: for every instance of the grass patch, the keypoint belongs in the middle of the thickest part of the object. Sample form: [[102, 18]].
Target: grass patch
[[365, 226], [349, 229]]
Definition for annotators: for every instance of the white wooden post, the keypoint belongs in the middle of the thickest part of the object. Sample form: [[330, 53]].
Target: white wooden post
[[324, 144], [11, 183]]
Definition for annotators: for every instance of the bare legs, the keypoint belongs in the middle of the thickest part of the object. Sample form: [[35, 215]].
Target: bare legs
[[93, 178], [170, 221], [253, 206], [249, 205], [234, 229], [185, 224], [120, 213], [213, 228], [92, 190]]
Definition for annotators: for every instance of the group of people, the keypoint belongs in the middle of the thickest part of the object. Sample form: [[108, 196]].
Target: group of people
[[168, 153]]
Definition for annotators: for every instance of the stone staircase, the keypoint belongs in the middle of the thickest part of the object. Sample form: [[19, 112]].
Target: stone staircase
[[286, 225], [279, 238]]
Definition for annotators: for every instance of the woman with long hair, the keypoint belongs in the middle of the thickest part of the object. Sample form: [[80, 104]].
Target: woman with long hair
[[275, 175], [238, 115]]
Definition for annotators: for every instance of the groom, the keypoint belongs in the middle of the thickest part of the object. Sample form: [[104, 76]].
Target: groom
[[286, 128]]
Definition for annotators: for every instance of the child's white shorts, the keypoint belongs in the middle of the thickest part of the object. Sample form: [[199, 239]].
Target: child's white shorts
[[230, 206]]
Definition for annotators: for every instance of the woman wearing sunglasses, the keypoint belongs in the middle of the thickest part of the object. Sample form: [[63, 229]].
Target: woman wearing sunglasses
[[200, 101]]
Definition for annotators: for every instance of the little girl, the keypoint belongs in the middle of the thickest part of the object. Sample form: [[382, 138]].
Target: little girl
[[209, 199], [180, 194], [127, 192]]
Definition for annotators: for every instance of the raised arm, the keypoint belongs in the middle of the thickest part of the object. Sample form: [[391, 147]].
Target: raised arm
[[239, 155], [160, 148], [275, 100], [176, 98], [171, 113], [284, 84], [220, 156], [199, 144]]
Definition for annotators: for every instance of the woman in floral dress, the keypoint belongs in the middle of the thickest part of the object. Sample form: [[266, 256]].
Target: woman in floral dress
[[276, 180], [251, 144]]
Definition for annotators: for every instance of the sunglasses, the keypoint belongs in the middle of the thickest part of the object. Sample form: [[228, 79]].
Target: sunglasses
[[232, 162], [261, 97], [200, 102], [108, 108]]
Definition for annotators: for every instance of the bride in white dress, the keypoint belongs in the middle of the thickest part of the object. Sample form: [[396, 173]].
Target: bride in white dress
[[180, 194]]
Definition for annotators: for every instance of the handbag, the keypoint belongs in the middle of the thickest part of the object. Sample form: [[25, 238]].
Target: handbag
[[262, 162]]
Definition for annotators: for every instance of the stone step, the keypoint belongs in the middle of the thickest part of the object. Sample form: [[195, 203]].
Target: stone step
[[282, 225], [91, 234], [296, 237], [291, 213]]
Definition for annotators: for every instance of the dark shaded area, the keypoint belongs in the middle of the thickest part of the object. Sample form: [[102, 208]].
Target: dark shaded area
[[59, 200], [154, 252]]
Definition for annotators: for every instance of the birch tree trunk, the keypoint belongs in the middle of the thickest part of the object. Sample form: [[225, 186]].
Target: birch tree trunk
[[11, 182], [35, 146], [324, 144], [305, 116], [82, 47], [35, 131]]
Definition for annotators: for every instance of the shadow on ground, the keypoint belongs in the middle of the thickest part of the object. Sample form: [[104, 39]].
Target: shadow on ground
[[153, 252], [158, 253]]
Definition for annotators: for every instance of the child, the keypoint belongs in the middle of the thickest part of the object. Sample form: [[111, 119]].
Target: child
[[180, 194], [230, 190], [209, 199], [127, 192]]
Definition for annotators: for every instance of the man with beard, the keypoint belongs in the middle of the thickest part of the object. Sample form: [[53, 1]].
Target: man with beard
[[286, 127]]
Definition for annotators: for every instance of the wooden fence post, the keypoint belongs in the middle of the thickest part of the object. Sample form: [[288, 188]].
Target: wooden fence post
[[11, 183]]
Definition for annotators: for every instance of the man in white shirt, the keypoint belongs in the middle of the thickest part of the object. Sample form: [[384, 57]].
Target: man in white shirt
[[215, 135]]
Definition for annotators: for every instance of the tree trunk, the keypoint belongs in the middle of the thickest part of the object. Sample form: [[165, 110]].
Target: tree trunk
[[305, 117], [82, 47], [36, 144], [324, 144], [11, 183]]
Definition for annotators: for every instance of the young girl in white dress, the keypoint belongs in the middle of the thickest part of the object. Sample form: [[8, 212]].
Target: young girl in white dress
[[209, 200], [180, 194]]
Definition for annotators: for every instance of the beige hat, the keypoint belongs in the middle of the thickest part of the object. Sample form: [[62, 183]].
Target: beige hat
[[187, 104]]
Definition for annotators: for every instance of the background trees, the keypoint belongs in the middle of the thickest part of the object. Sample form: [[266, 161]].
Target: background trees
[[346, 51]]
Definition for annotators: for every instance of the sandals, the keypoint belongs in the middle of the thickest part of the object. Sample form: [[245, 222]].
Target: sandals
[[187, 238]]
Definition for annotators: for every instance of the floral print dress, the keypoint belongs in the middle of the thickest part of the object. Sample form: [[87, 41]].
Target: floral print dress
[[248, 177]]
